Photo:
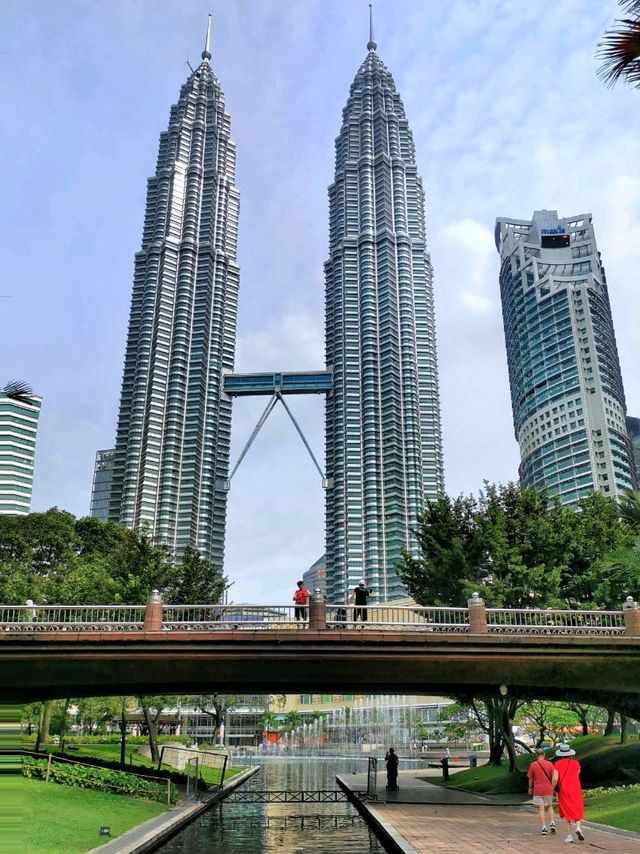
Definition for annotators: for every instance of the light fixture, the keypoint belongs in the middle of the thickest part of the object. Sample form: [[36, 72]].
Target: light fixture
[[105, 830], [503, 690]]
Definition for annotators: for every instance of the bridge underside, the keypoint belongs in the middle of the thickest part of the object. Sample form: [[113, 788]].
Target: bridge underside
[[600, 670]]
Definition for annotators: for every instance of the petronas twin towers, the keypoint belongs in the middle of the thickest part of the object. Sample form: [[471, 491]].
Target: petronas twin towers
[[383, 437]]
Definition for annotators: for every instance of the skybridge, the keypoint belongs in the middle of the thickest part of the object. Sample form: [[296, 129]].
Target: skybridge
[[277, 385]]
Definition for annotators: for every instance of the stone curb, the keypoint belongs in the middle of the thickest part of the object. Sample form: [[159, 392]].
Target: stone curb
[[148, 835], [385, 831]]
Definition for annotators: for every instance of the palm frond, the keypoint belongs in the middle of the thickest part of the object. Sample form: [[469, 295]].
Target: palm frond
[[19, 391], [619, 50]]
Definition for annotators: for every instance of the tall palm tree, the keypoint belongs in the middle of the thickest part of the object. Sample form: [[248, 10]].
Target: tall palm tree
[[629, 509], [619, 50], [19, 391]]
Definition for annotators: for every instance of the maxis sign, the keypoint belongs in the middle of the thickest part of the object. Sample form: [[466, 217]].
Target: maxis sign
[[553, 231]]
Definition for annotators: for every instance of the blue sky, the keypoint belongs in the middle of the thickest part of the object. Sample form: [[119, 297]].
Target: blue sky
[[508, 117]]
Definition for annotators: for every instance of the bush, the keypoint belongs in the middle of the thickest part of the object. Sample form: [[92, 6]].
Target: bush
[[114, 738], [101, 779]]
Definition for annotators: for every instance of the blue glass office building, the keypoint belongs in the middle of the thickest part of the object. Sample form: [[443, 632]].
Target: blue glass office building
[[383, 435], [566, 387]]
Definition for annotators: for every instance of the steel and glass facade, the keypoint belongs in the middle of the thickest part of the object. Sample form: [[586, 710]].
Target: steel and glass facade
[[566, 387], [18, 430], [101, 488], [383, 435], [172, 445]]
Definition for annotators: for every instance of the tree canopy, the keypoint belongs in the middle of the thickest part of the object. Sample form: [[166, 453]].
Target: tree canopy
[[54, 557], [518, 549]]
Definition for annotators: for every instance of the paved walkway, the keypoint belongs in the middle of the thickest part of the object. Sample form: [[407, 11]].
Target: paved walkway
[[422, 818]]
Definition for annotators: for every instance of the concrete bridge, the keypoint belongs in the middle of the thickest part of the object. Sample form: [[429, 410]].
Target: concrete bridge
[[49, 652]]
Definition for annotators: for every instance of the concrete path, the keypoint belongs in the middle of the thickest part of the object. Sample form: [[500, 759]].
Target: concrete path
[[422, 818]]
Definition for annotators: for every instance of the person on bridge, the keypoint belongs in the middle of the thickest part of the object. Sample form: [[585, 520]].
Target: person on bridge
[[566, 779], [300, 598], [360, 596], [392, 770], [540, 775]]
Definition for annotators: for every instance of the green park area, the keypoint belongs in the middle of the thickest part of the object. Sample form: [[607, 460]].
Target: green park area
[[610, 775], [66, 820]]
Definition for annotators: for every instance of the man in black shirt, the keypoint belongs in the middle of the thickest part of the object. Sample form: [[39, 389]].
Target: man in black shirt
[[360, 596]]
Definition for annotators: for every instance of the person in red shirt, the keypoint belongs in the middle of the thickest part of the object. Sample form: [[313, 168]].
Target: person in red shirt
[[300, 598], [540, 775]]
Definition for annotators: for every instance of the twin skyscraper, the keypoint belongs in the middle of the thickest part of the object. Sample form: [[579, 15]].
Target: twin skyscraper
[[170, 466]]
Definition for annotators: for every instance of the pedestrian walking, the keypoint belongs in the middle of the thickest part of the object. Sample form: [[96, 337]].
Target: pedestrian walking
[[540, 776], [566, 779], [360, 596], [300, 598], [392, 770]]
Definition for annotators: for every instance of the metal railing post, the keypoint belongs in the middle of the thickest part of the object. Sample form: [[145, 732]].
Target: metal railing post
[[317, 611], [153, 612], [631, 613], [477, 615]]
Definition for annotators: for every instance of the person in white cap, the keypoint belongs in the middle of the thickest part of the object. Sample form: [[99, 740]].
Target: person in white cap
[[566, 780]]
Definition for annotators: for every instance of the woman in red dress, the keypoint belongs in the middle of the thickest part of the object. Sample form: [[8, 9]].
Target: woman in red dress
[[566, 777]]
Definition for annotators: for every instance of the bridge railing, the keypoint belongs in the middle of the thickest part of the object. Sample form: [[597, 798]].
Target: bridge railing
[[404, 617], [512, 621], [207, 618], [71, 618]]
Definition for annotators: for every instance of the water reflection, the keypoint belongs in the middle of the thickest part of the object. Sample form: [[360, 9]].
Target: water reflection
[[333, 828]]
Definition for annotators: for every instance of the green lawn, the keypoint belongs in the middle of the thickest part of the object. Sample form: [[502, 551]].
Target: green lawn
[[53, 819], [619, 809]]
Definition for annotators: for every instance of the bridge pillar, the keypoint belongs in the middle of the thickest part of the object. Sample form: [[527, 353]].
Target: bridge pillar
[[153, 612], [477, 615], [631, 613], [317, 611]]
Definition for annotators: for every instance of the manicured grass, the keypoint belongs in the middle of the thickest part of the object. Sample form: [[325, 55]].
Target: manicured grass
[[53, 819], [619, 809]]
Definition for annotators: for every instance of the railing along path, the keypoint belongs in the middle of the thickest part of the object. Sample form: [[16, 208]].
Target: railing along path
[[319, 616]]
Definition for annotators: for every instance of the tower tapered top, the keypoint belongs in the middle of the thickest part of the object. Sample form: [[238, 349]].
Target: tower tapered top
[[371, 44], [206, 53]]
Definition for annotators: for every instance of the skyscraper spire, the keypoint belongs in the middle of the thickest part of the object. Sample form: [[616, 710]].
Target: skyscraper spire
[[206, 53], [371, 44]]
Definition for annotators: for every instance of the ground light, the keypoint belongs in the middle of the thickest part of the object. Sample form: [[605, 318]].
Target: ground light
[[105, 830]]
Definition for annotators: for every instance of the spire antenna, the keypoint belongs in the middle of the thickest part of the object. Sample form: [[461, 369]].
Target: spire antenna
[[206, 53], [371, 45]]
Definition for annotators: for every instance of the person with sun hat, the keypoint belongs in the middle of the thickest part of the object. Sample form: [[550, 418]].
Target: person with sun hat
[[566, 780]]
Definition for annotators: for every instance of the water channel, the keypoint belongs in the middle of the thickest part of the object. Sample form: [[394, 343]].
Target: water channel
[[331, 828]]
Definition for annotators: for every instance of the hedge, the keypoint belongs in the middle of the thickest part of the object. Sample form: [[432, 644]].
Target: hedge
[[166, 773], [114, 738], [101, 779]]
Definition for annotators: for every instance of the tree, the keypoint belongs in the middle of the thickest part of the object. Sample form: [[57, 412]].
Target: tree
[[515, 546], [450, 552], [545, 719], [493, 716], [619, 50], [629, 506], [152, 709], [216, 706], [292, 720], [196, 581], [269, 722], [52, 557]]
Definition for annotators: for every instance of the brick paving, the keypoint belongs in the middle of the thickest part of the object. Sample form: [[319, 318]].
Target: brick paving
[[426, 819], [455, 829]]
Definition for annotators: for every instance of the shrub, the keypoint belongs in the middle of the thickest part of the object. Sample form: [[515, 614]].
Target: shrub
[[101, 779], [114, 738]]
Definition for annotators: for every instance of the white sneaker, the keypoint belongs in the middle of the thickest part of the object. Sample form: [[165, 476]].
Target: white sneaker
[[580, 834], [568, 838]]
